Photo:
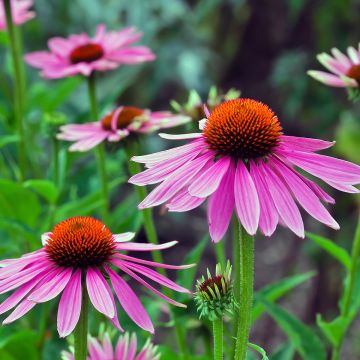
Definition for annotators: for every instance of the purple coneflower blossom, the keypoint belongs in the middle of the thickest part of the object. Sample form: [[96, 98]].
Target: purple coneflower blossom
[[345, 69], [80, 54], [20, 10], [79, 255], [126, 349], [117, 125], [241, 160]]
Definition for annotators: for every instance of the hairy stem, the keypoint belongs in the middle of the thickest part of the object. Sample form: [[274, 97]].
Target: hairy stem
[[218, 338]]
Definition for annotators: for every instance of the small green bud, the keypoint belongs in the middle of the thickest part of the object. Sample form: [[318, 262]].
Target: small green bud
[[214, 296]]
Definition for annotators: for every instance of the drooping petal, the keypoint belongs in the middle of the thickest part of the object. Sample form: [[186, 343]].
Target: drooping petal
[[304, 195], [99, 292], [24, 307], [246, 199], [283, 201], [70, 305], [130, 302], [144, 246], [183, 201], [210, 179], [221, 206], [304, 144], [320, 193], [269, 217]]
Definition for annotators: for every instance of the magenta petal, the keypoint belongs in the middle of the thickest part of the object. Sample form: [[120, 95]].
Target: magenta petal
[[24, 307], [344, 187], [99, 292], [221, 205], [151, 274], [53, 287], [210, 179], [183, 201], [304, 195], [130, 302], [246, 199], [284, 203], [320, 193], [269, 217], [304, 144], [70, 305]]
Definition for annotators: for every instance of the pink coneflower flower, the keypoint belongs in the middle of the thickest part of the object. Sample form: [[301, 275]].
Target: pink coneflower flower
[[82, 250], [345, 69], [241, 160], [118, 125], [80, 54], [126, 349], [20, 10]]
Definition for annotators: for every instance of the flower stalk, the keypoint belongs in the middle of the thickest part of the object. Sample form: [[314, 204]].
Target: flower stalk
[[218, 338], [80, 332], [18, 86], [244, 285], [100, 151]]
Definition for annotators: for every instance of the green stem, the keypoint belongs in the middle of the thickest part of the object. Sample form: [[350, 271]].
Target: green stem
[[220, 253], [18, 87], [55, 164], [237, 272], [349, 290], [80, 332], [100, 151], [218, 338], [245, 290], [151, 234]]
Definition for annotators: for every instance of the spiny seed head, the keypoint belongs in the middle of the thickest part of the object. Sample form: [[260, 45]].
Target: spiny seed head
[[80, 242], [354, 73], [86, 53], [242, 129], [214, 295], [125, 118]]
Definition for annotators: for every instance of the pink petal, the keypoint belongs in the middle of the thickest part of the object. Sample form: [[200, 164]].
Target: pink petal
[[183, 201], [283, 201], [180, 136], [99, 292], [210, 179], [268, 214], [320, 193], [221, 205], [53, 287], [23, 308], [304, 195], [246, 199], [130, 302], [344, 187], [70, 305], [331, 80], [305, 144], [144, 247]]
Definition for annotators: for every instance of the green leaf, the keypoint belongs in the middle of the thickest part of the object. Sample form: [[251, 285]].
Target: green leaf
[[186, 277], [334, 250], [18, 203], [21, 345], [8, 139], [333, 330], [276, 290], [304, 339], [45, 188], [285, 352], [259, 349]]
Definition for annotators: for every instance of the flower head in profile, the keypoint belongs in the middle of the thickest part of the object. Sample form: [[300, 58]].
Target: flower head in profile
[[344, 69], [214, 295], [126, 349], [21, 12], [81, 54], [78, 255], [242, 161], [117, 125]]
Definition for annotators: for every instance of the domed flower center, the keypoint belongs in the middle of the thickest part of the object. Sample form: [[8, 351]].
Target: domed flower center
[[212, 283], [354, 73], [125, 118], [86, 53], [80, 242], [242, 128]]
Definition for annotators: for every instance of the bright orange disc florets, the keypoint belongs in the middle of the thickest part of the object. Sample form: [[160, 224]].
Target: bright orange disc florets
[[242, 128], [126, 116], [86, 53], [80, 242], [354, 73]]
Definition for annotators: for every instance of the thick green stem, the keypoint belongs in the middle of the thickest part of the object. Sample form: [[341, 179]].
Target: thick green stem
[[218, 338], [18, 87], [349, 291], [80, 332], [245, 289], [151, 234], [220, 253], [100, 151]]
